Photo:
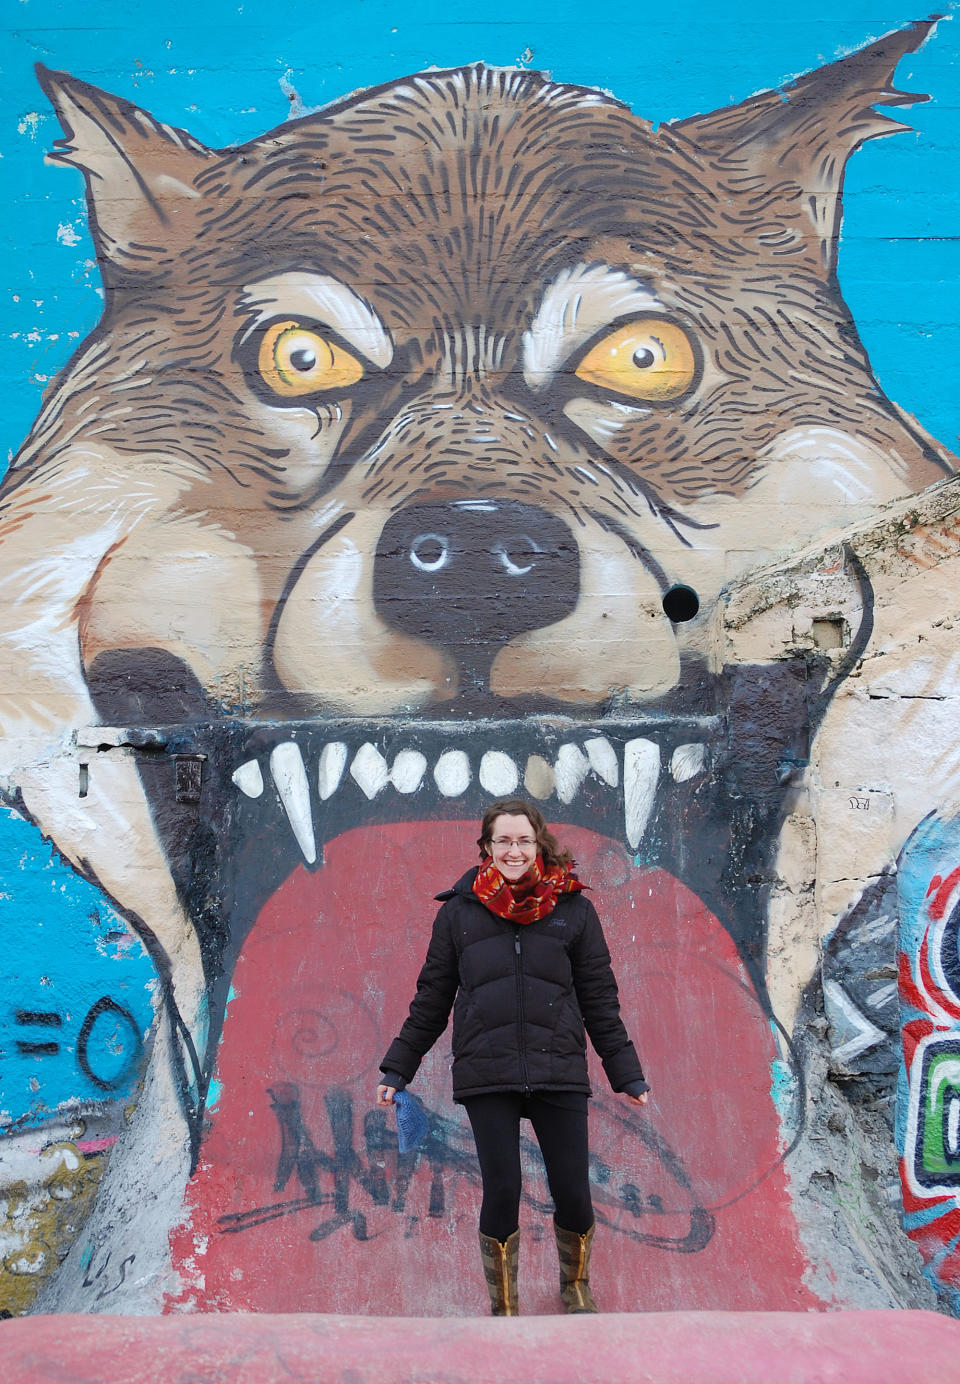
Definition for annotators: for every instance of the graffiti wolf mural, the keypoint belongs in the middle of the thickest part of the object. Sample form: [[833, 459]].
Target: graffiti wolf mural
[[418, 456]]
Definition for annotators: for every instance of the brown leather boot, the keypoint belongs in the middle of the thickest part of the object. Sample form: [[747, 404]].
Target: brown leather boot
[[500, 1270], [574, 1252]]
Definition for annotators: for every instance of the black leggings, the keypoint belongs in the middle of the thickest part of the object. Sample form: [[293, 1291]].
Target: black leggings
[[560, 1124]]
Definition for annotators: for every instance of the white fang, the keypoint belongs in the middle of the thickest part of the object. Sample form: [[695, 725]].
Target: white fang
[[333, 761], [408, 770], [452, 773], [498, 773], [369, 769], [687, 761], [641, 770], [290, 776], [248, 778]]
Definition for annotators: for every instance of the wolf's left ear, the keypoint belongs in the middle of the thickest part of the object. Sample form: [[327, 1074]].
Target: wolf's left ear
[[140, 173], [782, 154]]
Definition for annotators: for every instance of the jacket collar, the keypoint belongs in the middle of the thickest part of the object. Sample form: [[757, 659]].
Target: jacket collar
[[464, 885]]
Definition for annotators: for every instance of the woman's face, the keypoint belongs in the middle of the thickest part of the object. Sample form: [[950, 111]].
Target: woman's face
[[513, 845]]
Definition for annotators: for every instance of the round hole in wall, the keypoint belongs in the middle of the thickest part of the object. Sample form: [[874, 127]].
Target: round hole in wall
[[680, 604]]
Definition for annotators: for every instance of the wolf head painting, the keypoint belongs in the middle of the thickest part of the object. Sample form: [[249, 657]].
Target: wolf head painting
[[420, 452]]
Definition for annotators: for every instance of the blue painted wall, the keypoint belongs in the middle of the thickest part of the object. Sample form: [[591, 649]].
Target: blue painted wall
[[229, 71], [76, 985]]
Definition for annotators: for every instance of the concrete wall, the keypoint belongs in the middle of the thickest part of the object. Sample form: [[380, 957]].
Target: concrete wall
[[476, 433]]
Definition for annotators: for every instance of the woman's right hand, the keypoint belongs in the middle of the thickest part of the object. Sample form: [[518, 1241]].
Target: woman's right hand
[[385, 1095]]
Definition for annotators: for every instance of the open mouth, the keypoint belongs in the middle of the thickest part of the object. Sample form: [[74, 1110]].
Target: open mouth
[[298, 859], [267, 798], [308, 854]]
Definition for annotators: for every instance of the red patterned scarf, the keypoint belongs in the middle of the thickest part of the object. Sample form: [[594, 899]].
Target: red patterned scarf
[[527, 899]]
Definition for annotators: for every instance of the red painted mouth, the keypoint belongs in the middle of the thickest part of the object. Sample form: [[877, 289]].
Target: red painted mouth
[[301, 1202]]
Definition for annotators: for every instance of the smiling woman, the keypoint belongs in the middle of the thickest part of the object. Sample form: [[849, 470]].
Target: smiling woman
[[518, 953], [512, 855]]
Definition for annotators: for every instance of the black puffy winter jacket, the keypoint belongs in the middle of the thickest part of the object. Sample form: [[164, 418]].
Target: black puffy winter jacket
[[522, 996]]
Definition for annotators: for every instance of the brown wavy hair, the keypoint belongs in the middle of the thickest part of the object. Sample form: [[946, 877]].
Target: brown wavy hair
[[547, 845]]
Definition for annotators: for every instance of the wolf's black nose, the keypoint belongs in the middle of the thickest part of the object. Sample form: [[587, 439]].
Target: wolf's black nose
[[472, 575]]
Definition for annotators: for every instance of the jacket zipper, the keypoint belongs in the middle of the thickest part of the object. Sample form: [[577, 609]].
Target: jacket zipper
[[520, 1019]]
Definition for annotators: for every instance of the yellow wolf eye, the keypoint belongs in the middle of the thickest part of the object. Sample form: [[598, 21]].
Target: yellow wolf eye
[[296, 360], [649, 359]]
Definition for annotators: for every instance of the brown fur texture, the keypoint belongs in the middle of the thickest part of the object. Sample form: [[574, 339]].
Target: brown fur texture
[[452, 206]]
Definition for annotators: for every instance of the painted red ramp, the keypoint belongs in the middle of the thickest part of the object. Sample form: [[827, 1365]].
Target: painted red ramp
[[301, 1202], [659, 1348]]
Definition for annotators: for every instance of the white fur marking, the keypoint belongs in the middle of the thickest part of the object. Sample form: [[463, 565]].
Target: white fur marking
[[326, 300], [579, 302]]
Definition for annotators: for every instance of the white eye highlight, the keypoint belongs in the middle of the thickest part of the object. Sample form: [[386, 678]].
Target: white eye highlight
[[429, 552], [514, 559]]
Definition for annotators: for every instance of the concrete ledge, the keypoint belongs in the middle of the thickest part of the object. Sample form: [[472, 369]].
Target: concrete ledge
[[653, 1348]]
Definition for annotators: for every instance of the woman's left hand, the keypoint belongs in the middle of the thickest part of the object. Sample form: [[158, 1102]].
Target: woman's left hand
[[639, 1100]]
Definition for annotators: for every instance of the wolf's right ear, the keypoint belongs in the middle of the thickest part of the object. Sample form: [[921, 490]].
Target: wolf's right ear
[[140, 174]]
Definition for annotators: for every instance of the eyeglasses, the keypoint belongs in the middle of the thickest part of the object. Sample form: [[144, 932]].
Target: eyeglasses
[[502, 842]]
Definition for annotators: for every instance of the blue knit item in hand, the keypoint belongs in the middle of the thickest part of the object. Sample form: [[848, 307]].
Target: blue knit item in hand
[[412, 1122]]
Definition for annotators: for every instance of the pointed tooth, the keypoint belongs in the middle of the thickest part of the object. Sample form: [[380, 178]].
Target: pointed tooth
[[451, 773], [248, 778], [571, 769], [290, 776], [408, 770], [641, 770], [603, 759], [369, 769], [687, 761], [333, 761], [538, 777], [498, 774]]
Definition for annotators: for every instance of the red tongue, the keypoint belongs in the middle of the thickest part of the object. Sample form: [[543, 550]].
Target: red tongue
[[298, 1205]]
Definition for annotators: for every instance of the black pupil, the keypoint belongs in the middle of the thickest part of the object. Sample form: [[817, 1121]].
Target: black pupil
[[429, 551], [643, 358], [303, 359]]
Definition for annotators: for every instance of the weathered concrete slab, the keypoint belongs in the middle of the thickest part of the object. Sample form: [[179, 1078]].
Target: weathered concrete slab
[[630, 1348]]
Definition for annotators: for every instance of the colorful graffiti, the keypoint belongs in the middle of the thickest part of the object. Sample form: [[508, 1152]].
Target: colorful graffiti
[[90, 1042], [929, 1106], [77, 1009], [427, 450]]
